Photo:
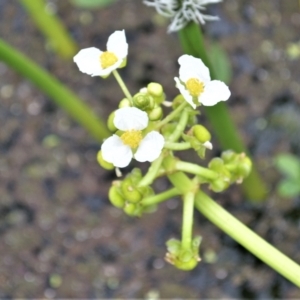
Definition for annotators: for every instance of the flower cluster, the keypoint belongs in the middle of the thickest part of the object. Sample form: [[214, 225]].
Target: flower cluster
[[141, 131], [182, 12], [131, 138]]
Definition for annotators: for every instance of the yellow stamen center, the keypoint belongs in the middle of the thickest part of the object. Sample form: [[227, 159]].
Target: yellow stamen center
[[132, 138], [107, 59], [195, 87]]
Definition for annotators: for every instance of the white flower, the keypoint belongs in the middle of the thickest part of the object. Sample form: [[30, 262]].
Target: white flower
[[195, 85], [182, 12], [119, 150], [95, 62]]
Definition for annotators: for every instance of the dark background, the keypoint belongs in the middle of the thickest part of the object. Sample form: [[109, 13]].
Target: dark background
[[61, 238]]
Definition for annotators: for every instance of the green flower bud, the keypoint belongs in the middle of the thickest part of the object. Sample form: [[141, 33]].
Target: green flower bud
[[156, 91], [244, 166], [155, 114], [103, 163], [115, 197], [130, 209], [110, 122], [130, 193], [135, 175], [228, 156], [173, 246], [201, 133], [219, 185], [124, 103], [143, 101], [216, 164]]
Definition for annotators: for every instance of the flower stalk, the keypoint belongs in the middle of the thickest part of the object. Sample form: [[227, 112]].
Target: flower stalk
[[247, 238], [192, 42]]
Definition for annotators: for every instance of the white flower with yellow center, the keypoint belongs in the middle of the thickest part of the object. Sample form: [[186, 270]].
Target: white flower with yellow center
[[195, 85], [183, 11], [95, 62], [119, 150]]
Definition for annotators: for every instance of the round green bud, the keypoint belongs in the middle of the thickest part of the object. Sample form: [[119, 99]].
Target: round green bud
[[156, 91], [129, 192], [201, 133], [244, 167], [173, 246], [219, 185], [228, 156], [143, 101], [216, 164], [155, 114], [136, 175], [110, 122], [130, 209], [115, 197], [124, 103], [103, 163]]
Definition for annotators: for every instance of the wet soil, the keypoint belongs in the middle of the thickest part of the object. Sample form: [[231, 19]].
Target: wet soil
[[61, 238]]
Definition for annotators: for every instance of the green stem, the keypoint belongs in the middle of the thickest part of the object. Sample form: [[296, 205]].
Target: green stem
[[180, 126], [51, 27], [152, 172], [122, 85], [195, 169], [183, 184], [177, 146], [193, 43], [247, 238], [62, 96], [160, 197], [171, 116], [187, 220]]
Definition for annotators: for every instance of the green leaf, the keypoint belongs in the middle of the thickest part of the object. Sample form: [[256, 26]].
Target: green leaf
[[289, 188], [289, 165], [92, 3], [220, 62]]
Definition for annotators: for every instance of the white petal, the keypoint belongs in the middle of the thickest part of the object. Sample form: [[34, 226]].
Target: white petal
[[117, 44], [128, 118], [208, 145], [185, 93], [150, 147], [115, 152], [88, 60], [192, 67], [214, 92]]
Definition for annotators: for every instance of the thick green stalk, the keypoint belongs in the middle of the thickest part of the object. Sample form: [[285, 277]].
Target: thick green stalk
[[51, 27], [192, 43], [187, 220], [247, 238], [49, 85]]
